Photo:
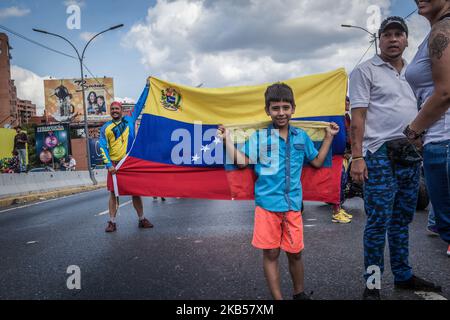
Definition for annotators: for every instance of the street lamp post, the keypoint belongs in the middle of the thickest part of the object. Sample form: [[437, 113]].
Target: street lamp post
[[373, 35], [81, 58]]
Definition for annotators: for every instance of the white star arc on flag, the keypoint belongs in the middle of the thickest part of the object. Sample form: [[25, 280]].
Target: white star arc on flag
[[195, 158]]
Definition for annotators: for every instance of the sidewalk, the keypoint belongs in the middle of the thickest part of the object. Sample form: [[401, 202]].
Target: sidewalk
[[6, 202]]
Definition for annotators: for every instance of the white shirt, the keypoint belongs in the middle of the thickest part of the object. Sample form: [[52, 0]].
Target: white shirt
[[390, 102], [72, 164]]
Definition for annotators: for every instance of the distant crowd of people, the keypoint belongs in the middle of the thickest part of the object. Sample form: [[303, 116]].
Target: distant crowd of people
[[70, 165], [20, 147], [18, 162]]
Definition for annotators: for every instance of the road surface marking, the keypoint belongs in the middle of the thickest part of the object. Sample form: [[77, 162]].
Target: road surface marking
[[430, 295], [309, 225], [32, 242], [311, 219], [107, 211]]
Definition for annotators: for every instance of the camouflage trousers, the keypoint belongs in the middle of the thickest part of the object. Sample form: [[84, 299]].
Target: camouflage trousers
[[390, 199]]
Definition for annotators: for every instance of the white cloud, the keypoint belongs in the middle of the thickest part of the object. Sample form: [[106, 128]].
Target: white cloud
[[125, 100], [13, 12], [234, 42], [86, 36], [29, 86]]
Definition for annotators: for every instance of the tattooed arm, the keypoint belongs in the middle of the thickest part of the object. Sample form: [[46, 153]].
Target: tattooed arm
[[438, 104]]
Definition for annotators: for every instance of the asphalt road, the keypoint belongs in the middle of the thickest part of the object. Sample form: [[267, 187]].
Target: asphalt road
[[198, 250]]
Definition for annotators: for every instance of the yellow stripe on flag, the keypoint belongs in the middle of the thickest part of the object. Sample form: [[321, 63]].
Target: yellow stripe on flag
[[315, 95]]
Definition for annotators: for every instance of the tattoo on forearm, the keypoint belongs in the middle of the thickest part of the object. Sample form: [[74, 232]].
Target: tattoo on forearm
[[439, 39]]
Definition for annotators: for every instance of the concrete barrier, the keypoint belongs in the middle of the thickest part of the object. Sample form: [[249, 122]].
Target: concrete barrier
[[101, 175], [21, 184]]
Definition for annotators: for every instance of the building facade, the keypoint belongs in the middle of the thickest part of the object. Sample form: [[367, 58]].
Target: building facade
[[7, 89], [25, 111], [13, 111]]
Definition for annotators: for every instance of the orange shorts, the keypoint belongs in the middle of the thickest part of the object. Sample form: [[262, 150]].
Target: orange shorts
[[275, 230]]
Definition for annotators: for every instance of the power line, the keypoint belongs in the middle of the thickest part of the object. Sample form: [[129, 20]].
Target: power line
[[362, 57], [34, 42], [96, 79], [409, 15], [55, 51]]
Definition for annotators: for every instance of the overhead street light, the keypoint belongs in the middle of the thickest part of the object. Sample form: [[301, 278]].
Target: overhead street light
[[80, 58], [373, 35]]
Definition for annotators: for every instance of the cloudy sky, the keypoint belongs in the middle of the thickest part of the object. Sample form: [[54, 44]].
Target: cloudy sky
[[214, 42]]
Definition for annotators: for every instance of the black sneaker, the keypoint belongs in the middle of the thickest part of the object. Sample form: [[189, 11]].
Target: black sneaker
[[111, 227], [371, 294], [416, 283], [301, 296]]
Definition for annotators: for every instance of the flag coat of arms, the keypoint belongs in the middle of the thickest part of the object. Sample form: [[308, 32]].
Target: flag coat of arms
[[177, 153]]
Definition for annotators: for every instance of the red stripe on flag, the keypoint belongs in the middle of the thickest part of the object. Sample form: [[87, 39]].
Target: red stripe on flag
[[323, 184], [146, 178], [242, 183]]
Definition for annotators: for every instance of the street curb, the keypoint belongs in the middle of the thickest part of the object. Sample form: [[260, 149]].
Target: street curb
[[6, 202]]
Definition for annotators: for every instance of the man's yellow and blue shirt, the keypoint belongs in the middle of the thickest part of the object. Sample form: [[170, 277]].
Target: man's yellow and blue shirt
[[116, 137]]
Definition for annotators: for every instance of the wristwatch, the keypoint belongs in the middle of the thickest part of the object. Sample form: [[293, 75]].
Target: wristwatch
[[411, 134]]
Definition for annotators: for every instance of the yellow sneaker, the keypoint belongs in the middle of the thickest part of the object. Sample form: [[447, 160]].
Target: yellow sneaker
[[340, 218], [345, 214]]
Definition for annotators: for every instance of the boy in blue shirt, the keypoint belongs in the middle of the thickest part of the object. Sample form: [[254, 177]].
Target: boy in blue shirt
[[278, 154]]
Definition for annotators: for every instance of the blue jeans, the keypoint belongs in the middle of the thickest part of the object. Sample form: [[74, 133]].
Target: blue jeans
[[390, 198], [22, 159], [436, 163]]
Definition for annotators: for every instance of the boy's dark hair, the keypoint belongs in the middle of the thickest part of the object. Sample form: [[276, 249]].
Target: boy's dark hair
[[279, 92]]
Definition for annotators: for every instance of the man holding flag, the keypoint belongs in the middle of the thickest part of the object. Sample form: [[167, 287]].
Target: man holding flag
[[116, 139]]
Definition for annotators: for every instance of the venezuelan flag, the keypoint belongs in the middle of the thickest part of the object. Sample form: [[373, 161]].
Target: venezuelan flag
[[177, 154]]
